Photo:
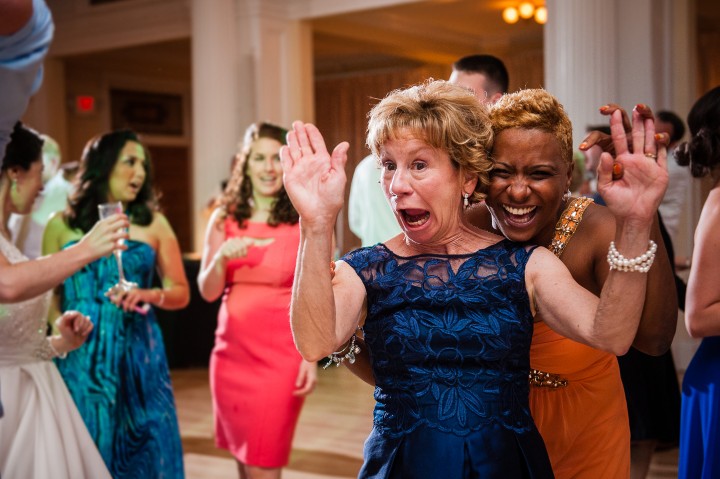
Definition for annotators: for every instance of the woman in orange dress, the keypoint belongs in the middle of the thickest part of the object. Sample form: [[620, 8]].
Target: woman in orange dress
[[577, 398], [257, 377]]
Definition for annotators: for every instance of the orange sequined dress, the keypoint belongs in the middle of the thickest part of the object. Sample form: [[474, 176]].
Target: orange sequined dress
[[584, 423]]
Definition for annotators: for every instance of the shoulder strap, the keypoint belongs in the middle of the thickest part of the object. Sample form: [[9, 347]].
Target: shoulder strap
[[568, 223]]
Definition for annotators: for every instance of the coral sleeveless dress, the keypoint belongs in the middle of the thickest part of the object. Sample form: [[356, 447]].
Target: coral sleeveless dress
[[448, 337], [254, 363], [584, 423]]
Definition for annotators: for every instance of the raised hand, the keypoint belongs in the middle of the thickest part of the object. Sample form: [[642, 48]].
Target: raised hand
[[605, 141], [634, 183], [314, 179]]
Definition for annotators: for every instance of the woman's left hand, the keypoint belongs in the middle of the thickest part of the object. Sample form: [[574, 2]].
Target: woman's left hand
[[306, 378], [134, 299], [633, 184]]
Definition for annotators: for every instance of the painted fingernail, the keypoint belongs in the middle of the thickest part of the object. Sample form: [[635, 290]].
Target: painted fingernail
[[583, 145], [617, 171], [640, 106], [603, 108]]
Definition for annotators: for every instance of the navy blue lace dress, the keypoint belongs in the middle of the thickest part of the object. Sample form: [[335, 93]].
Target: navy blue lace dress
[[449, 339]]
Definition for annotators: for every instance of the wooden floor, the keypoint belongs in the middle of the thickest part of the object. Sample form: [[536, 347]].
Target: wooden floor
[[328, 442], [333, 425]]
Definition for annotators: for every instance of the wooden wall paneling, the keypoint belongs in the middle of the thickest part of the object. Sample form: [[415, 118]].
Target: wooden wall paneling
[[171, 167]]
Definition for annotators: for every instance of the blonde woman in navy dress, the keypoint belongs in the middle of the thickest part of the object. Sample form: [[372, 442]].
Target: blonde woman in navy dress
[[447, 310]]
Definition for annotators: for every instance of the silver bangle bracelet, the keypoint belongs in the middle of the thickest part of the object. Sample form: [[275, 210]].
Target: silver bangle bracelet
[[55, 351], [348, 352]]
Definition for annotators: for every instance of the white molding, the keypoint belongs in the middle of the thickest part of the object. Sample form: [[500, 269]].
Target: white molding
[[308, 9]]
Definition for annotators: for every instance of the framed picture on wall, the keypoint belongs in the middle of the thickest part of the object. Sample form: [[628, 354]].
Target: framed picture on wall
[[147, 112]]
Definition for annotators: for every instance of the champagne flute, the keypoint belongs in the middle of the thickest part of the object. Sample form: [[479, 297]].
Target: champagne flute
[[123, 285], [105, 210]]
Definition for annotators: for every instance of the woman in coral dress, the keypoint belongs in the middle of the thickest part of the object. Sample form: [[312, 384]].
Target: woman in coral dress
[[258, 378]]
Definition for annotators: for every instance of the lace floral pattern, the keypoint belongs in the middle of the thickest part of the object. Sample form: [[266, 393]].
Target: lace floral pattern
[[449, 338], [23, 327]]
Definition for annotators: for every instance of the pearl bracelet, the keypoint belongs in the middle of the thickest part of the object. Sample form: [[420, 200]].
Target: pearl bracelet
[[640, 264]]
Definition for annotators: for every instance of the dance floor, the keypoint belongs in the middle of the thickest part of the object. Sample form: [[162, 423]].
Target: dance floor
[[329, 438], [333, 425]]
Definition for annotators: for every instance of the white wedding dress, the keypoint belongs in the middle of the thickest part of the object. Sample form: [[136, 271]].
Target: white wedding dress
[[41, 433]]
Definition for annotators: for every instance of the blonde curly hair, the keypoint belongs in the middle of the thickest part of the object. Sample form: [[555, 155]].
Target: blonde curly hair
[[445, 116]]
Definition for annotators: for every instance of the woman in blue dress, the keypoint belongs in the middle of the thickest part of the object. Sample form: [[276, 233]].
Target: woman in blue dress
[[447, 310], [700, 413], [120, 379]]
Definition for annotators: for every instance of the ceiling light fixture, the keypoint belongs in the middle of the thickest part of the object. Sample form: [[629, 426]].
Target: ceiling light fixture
[[525, 11]]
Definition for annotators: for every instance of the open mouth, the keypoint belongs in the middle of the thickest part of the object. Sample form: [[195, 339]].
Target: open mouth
[[414, 217], [519, 215]]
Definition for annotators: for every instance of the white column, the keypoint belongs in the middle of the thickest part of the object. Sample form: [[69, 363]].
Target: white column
[[600, 51], [281, 61], [215, 102]]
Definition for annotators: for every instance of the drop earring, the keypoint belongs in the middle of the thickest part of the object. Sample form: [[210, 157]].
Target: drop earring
[[466, 203], [567, 195]]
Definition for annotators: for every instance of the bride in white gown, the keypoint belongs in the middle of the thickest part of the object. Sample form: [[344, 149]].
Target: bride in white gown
[[41, 433]]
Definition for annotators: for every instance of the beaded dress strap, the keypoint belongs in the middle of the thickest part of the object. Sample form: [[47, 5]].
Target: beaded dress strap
[[568, 223], [564, 231]]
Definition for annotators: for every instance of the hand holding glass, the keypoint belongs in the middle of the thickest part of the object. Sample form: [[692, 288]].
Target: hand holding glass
[[122, 286]]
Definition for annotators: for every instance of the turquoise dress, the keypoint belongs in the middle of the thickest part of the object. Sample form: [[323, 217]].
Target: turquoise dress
[[449, 342], [119, 379]]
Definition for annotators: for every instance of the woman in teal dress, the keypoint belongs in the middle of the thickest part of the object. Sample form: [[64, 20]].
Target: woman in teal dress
[[120, 380]]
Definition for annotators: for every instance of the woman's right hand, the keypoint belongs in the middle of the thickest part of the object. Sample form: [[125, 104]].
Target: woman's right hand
[[234, 248], [74, 328], [105, 235], [313, 178]]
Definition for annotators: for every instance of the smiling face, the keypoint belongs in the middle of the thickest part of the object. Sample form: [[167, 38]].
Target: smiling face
[[28, 185], [424, 189], [527, 183], [128, 174], [264, 168]]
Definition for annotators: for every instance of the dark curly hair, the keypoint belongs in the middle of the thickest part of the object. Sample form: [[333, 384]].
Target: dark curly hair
[[237, 197], [702, 151], [92, 186], [24, 149]]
